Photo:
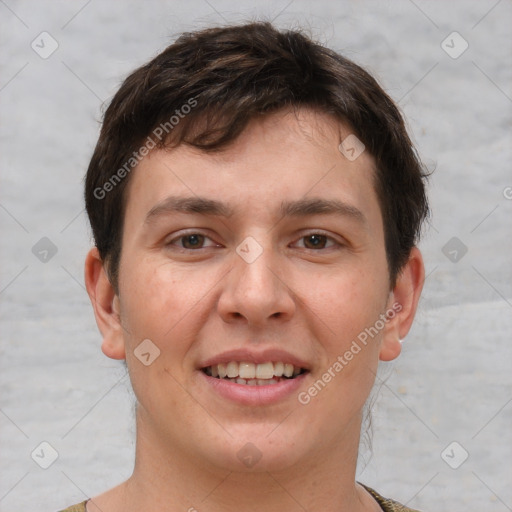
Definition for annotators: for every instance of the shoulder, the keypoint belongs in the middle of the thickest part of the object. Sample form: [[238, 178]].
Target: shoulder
[[387, 504], [76, 508]]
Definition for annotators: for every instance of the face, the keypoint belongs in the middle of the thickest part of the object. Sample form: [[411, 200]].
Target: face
[[266, 255]]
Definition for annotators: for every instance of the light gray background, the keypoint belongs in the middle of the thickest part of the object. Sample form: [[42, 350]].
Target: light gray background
[[453, 380]]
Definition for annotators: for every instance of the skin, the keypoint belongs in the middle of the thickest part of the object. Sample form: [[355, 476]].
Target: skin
[[194, 303]]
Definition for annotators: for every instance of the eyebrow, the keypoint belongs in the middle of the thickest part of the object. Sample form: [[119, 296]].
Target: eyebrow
[[300, 208], [201, 205], [316, 206]]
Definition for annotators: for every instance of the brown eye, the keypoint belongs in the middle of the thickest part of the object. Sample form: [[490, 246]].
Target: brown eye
[[194, 241], [315, 241]]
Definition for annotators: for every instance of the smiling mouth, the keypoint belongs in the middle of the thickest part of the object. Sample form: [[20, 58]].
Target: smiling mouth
[[252, 374]]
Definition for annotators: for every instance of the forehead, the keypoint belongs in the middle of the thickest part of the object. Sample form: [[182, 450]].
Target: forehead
[[286, 156]]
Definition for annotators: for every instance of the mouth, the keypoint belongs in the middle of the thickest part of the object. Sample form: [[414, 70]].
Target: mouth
[[253, 374]]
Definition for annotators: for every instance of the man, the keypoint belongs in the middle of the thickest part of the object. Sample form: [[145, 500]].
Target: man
[[255, 202]]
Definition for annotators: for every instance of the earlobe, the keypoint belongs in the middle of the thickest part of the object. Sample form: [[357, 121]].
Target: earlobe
[[390, 349], [105, 303], [403, 302]]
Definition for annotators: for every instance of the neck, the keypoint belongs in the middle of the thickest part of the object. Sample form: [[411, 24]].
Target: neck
[[168, 480]]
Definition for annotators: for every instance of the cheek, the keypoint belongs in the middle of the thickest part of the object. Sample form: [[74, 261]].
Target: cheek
[[153, 296], [344, 307], [346, 303], [164, 303], [156, 306]]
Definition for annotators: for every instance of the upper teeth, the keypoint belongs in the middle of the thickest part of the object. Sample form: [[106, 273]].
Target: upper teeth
[[246, 370]]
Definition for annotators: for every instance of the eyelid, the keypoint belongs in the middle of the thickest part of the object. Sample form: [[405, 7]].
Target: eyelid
[[176, 236], [340, 242]]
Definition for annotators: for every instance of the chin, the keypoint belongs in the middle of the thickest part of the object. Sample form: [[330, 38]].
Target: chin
[[256, 449]]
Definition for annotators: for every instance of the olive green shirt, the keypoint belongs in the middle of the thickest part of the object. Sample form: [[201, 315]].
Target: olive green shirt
[[386, 504]]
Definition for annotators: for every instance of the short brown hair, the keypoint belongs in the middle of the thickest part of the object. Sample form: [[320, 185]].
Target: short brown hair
[[204, 88]]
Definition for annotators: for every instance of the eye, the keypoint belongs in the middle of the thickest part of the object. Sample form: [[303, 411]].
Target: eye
[[316, 241], [192, 241]]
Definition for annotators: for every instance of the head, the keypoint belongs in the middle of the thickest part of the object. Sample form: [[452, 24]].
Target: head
[[204, 89], [232, 136]]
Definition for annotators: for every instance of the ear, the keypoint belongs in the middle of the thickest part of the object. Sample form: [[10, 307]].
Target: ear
[[402, 305], [105, 303]]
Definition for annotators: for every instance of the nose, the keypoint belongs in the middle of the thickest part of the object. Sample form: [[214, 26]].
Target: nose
[[255, 292]]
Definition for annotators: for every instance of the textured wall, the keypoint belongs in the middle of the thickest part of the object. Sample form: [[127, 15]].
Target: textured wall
[[452, 382]]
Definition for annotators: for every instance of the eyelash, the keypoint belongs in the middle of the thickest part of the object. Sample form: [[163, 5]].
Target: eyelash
[[185, 235], [329, 239]]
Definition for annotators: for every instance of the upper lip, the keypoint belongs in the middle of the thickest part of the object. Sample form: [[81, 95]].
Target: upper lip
[[256, 357]]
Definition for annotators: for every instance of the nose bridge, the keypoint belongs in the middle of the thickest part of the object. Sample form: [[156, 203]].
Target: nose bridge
[[253, 289], [255, 269]]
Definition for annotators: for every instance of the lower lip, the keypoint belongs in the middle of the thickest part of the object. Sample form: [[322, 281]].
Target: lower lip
[[255, 395]]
